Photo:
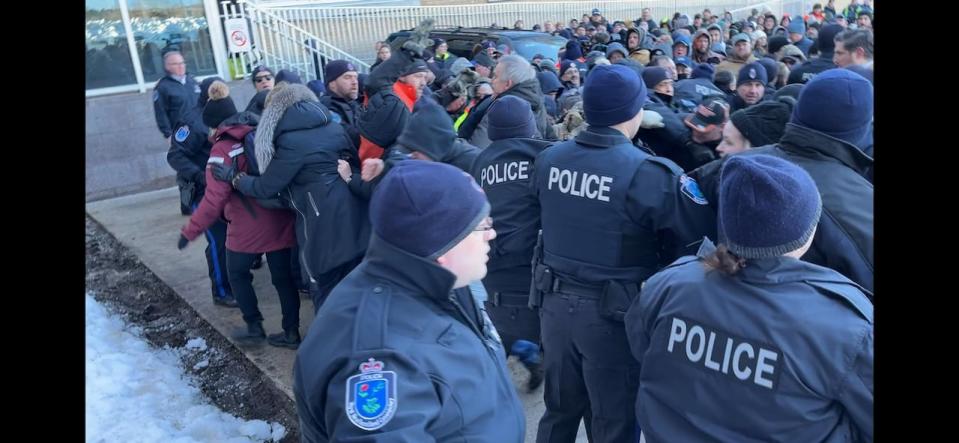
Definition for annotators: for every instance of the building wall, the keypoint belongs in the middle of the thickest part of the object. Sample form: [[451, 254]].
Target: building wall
[[125, 152]]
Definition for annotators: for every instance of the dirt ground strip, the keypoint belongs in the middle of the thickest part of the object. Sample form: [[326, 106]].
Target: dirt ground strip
[[119, 280]]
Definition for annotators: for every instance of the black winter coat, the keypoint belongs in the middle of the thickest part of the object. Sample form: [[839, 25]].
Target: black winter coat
[[298, 147], [810, 68]]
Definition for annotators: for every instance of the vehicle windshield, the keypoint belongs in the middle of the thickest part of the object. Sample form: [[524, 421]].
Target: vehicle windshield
[[530, 45]]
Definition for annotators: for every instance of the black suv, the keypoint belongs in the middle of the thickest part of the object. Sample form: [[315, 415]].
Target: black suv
[[462, 40]]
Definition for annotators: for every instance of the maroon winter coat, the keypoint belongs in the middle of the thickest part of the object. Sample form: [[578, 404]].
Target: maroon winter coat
[[271, 230]]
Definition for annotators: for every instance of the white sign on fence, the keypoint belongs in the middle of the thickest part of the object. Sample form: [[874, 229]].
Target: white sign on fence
[[237, 35]]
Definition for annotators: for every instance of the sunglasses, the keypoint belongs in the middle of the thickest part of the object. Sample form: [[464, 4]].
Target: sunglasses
[[263, 78]]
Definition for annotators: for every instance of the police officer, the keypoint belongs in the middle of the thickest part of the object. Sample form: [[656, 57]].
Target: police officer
[[175, 100], [401, 351], [612, 215], [790, 341], [503, 170], [188, 156]]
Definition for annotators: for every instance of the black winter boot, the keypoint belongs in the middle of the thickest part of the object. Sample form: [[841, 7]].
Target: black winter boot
[[286, 339], [227, 301], [254, 333]]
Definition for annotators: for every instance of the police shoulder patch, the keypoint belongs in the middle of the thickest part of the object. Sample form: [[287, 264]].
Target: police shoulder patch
[[690, 189], [156, 95], [371, 396], [182, 133]]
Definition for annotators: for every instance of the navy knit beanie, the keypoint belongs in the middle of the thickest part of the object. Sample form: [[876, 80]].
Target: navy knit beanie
[[772, 68], [704, 70], [573, 50], [510, 117], [767, 206], [318, 87], [566, 64], [426, 208], [653, 75], [752, 72], [612, 94], [288, 76], [429, 130], [838, 103], [336, 68], [775, 43]]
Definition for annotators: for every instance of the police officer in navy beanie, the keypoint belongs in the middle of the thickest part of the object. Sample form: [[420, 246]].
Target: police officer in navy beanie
[[503, 169], [829, 121], [752, 306], [404, 326], [750, 86], [612, 215]]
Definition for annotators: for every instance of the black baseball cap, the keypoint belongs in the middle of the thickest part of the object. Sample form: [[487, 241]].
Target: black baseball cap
[[710, 113]]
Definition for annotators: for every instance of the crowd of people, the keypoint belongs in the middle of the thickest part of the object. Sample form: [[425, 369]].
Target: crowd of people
[[668, 223]]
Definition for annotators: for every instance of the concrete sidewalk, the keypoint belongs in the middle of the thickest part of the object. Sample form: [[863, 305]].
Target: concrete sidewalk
[[149, 224]]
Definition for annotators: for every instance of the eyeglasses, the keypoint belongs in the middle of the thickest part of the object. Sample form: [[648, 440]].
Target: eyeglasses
[[485, 225], [264, 78]]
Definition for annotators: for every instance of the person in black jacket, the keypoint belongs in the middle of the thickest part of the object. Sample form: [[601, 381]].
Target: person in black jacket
[[809, 69], [298, 149], [342, 90], [502, 170], [830, 120], [402, 351]]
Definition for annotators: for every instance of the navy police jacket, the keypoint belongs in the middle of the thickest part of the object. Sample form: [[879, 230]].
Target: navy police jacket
[[189, 152], [396, 354], [173, 102], [780, 351], [610, 211], [503, 170]]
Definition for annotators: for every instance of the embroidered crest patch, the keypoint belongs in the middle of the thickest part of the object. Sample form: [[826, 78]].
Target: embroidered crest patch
[[690, 189], [182, 133], [371, 396]]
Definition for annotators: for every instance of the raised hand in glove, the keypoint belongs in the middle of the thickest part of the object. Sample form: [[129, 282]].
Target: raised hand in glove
[[419, 39], [415, 50], [182, 242], [224, 173], [652, 120]]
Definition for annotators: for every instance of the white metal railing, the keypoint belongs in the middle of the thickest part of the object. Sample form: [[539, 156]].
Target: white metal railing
[[302, 36], [282, 44], [356, 29]]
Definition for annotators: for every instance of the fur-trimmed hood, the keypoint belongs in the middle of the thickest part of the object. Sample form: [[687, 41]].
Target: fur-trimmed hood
[[288, 107]]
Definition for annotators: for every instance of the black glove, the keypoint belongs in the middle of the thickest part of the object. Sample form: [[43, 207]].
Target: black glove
[[224, 173], [200, 178], [180, 244], [414, 49]]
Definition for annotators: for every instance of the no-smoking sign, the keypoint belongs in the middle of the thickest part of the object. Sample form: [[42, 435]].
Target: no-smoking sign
[[239, 33]]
